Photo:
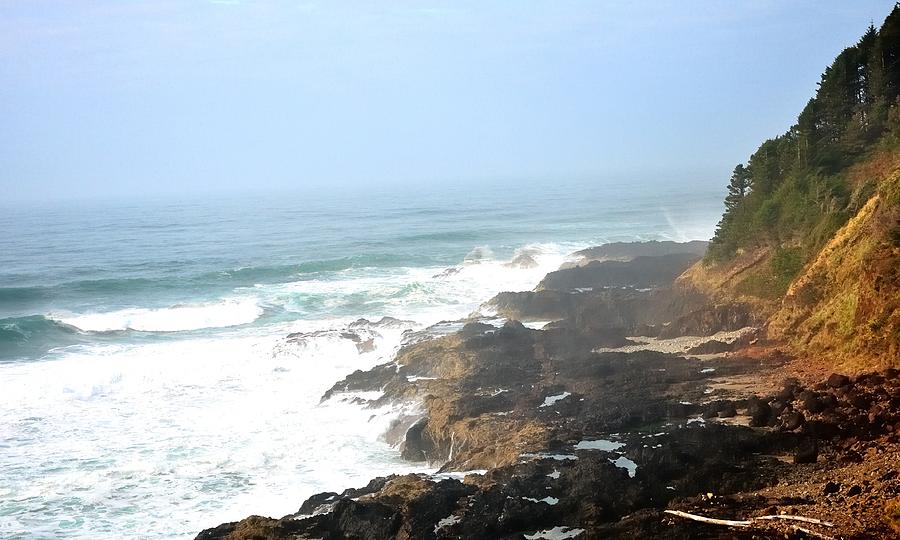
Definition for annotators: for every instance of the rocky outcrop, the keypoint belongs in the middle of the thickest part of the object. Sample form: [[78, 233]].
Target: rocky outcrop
[[640, 273], [616, 486], [565, 435], [626, 251]]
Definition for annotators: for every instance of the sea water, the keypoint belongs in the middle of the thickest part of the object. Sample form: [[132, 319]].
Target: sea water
[[148, 388]]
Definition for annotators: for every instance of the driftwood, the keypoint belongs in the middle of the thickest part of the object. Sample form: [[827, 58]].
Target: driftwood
[[813, 534], [749, 523], [712, 521], [814, 521]]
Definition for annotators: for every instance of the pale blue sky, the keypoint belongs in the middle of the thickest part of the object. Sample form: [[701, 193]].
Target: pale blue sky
[[180, 97]]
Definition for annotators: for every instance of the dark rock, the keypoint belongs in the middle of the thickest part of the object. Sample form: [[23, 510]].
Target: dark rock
[[836, 381], [626, 251], [793, 420], [728, 410], [714, 408], [712, 346], [829, 402], [811, 402], [854, 491], [831, 487], [779, 407], [807, 451], [859, 400], [869, 379], [759, 411], [709, 320], [789, 389], [417, 446], [640, 272]]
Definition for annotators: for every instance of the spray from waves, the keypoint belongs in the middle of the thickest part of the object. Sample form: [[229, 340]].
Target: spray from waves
[[225, 313], [110, 436], [424, 294], [215, 426]]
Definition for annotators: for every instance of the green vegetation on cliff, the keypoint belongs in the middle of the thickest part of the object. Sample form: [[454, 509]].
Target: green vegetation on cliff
[[811, 231], [797, 190]]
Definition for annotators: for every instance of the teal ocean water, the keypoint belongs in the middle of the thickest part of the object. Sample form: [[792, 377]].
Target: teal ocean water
[[147, 388]]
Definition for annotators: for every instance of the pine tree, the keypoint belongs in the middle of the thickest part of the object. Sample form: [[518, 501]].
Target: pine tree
[[738, 188]]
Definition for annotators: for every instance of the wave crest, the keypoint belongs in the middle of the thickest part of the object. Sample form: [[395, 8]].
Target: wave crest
[[180, 318]]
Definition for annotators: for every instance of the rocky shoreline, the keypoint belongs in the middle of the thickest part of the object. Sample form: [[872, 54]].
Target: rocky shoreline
[[580, 430]]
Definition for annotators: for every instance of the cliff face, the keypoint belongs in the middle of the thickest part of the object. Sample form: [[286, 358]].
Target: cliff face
[[845, 305], [809, 238], [842, 310]]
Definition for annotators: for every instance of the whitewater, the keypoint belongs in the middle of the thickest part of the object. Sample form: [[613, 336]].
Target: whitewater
[[162, 364]]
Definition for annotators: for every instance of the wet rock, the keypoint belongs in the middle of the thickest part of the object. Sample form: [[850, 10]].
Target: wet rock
[[417, 446], [365, 346], [369, 521]]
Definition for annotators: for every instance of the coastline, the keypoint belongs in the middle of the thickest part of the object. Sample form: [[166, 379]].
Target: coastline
[[579, 429]]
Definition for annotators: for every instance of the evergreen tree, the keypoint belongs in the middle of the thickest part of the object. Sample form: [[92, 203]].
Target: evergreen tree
[[738, 188]]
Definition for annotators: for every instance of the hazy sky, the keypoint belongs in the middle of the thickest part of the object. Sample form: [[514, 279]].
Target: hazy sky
[[183, 96]]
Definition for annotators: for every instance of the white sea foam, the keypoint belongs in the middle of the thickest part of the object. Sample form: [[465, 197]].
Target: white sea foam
[[230, 312], [627, 464], [551, 400], [176, 435], [549, 500], [220, 427], [599, 444], [556, 533]]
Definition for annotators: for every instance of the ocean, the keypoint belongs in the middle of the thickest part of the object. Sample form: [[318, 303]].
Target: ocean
[[148, 388]]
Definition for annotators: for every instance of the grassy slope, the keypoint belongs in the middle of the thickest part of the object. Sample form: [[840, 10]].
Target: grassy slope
[[843, 307]]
